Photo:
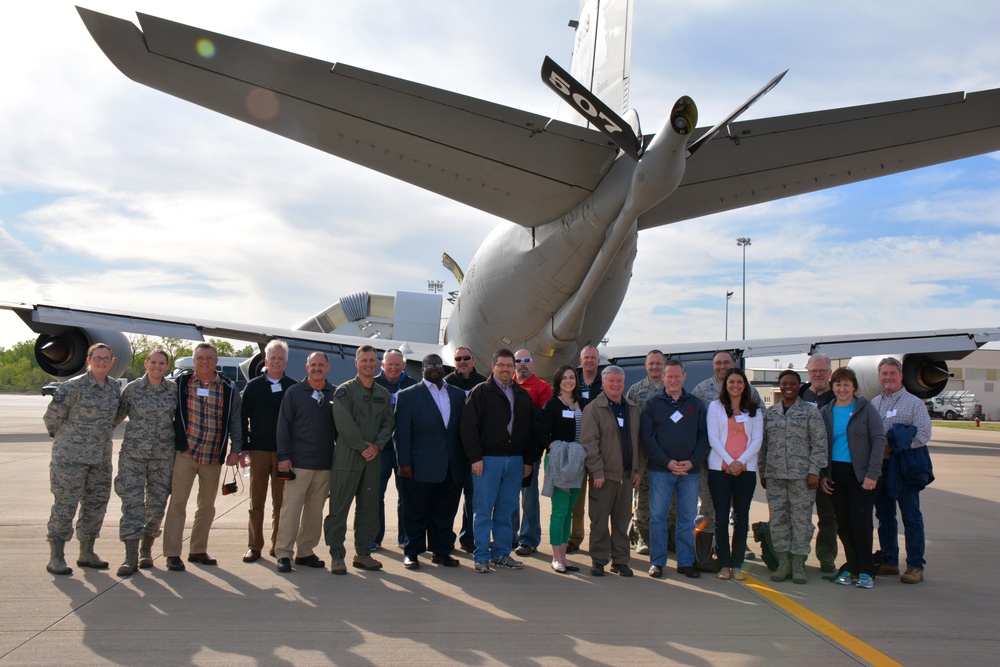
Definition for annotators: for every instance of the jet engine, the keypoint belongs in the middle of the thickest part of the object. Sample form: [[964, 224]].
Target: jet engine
[[62, 352], [923, 376]]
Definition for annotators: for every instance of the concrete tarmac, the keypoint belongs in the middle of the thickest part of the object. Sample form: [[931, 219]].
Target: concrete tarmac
[[248, 614]]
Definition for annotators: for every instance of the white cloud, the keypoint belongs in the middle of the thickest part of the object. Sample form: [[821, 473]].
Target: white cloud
[[152, 204]]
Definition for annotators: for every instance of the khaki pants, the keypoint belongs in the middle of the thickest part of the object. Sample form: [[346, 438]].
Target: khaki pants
[[185, 472], [263, 468], [301, 523], [611, 504]]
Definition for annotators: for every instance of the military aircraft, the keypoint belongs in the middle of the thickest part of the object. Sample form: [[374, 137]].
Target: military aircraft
[[575, 195]]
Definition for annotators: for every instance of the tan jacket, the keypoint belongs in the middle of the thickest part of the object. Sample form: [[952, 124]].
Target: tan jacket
[[600, 436]]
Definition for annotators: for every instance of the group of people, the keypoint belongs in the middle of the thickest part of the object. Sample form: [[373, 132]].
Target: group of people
[[647, 458]]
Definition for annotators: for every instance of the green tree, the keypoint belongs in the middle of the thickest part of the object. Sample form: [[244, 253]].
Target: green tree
[[18, 367]]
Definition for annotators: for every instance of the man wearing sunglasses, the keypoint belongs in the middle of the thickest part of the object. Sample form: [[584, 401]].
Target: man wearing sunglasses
[[465, 377]]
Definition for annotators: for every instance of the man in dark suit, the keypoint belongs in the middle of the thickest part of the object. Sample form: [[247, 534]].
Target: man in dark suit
[[431, 463]]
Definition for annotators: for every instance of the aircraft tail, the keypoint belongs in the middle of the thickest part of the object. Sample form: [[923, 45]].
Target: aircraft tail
[[602, 54]]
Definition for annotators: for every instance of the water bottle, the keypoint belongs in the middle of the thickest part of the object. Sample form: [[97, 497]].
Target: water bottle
[[245, 464]]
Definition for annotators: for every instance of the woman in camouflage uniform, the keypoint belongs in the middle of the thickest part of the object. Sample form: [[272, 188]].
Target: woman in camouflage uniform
[[146, 459], [80, 420]]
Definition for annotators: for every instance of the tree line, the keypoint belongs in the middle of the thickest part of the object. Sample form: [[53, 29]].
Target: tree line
[[18, 368]]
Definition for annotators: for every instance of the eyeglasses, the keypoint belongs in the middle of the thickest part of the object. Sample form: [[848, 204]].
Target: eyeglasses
[[464, 357], [819, 371], [433, 365], [102, 360], [526, 360]]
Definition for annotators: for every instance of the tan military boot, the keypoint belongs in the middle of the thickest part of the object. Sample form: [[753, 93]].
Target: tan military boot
[[88, 558], [784, 569], [798, 569], [146, 552], [131, 564], [366, 562], [57, 560]]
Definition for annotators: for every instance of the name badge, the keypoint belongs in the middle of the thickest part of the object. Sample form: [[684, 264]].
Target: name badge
[[813, 403], [202, 392], [569, 414], [467, 391], [586, 394], [890, 413], [741, 418], [317, 395], [621, 422], [676, 417], [276, 388], [394, 399]]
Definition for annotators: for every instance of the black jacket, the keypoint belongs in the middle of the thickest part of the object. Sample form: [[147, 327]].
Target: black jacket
[[259, 413], [484, 423]]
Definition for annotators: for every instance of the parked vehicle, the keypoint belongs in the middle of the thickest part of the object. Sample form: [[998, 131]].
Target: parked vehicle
[[50, 388], [952, 405]]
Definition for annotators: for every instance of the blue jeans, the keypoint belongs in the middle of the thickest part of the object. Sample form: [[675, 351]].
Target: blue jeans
[[888, 528], [494, 499], [734, 491], [662, 486], [529, 528], [388, 458]]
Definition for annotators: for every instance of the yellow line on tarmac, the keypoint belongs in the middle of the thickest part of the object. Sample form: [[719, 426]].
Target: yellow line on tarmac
[[821, 625]]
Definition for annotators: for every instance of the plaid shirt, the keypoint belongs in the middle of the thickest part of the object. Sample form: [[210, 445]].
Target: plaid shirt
[[204, 423], [902, 407]]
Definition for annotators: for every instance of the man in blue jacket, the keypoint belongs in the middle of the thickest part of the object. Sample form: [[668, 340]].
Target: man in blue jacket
[[431, 463], [674, 434]]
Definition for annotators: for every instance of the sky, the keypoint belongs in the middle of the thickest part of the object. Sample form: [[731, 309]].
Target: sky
[[114, 195]]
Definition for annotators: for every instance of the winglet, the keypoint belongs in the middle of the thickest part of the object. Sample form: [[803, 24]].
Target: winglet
[[735, 114]]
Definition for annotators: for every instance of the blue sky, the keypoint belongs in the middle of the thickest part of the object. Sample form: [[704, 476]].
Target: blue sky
[[117, 196]]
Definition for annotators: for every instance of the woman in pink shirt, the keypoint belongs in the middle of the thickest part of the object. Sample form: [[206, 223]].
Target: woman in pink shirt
[[735, 432]]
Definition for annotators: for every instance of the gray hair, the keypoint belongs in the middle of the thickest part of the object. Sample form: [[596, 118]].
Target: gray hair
[[612, 370], [276, 344], [819, 356]]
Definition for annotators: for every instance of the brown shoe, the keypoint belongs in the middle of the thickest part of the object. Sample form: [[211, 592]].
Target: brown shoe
[[251, 555], [203, 559], [366, 562], [913, 575], [888, 570]]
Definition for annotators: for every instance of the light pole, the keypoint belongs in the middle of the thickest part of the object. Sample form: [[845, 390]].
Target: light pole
[[729, 295], [743, 242]]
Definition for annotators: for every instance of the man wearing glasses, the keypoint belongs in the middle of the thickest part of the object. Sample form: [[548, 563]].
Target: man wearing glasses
[[465, 377], [528, 528], [80, 420], [208, 415], [819, 392], [498, 435]]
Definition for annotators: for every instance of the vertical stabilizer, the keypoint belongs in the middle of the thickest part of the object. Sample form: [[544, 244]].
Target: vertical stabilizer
[[602, 53]]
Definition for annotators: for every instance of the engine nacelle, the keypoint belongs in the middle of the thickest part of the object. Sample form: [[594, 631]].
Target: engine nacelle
[[923, 376], [64, 353]]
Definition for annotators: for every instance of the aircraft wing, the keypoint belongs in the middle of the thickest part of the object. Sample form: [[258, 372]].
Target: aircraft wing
[[63, 322], [514, 164], [772, 158], [937, 344]]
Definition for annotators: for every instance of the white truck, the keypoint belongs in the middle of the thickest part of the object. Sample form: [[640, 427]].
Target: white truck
[[952, 405]]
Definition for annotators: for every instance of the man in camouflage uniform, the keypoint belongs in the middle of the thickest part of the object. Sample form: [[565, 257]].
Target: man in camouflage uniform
[[146, 460], [651, 385], [362, 413], [708, 391], [80, 420], [793, 453]]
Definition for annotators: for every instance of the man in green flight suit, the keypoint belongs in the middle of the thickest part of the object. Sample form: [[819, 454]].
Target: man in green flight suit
[[362, 412]]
